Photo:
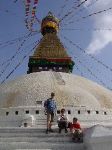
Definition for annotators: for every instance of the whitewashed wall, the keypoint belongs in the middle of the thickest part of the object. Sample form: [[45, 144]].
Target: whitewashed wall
[[87, 120]]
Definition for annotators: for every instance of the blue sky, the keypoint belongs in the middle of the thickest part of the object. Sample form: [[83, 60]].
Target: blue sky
[[96, 43]]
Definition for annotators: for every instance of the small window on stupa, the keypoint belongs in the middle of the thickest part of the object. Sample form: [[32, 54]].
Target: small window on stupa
[[25, 124], [39, 102], [97, 112], [105, 113], [58, 111], [37, 111], [16, 112], [78, 111], [69, 112], [27, 111], [88, 111], [7, 113]]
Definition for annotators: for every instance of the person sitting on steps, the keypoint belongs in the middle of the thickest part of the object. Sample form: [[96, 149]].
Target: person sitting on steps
[[62, 121], [77, 134]]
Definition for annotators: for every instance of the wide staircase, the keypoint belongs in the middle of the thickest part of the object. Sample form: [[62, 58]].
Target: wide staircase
[[36, 139]]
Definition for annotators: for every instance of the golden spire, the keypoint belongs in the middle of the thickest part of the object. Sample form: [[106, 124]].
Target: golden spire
[[50, 24]]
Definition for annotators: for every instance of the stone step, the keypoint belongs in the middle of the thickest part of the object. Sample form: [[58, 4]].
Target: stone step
[[20, 130], [42, 134], [40, 145], [35, 139], [24, 130], [43, 124], [36, 134]]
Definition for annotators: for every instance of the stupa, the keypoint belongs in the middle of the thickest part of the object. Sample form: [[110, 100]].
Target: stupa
[[50, 70]]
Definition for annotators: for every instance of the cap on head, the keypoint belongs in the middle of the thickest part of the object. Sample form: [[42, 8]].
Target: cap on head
[[52, 94]]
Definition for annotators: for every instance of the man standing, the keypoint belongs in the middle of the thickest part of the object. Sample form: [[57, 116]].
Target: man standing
[[50, 108]]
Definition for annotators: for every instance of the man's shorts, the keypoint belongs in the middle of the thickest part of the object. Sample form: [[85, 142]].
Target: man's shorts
[[50, 116]]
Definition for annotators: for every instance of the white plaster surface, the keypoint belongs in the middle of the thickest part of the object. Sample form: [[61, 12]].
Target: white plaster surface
[[71, 90]]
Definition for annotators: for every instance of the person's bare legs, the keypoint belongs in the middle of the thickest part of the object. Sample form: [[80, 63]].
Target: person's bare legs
[[50, 125], [51, 121], [48, 122], [50, 118]]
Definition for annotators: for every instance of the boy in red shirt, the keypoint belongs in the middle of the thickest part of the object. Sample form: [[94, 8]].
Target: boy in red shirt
[[77, 134]]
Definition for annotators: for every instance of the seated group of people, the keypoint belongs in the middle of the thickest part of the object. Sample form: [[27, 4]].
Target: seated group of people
[[75, 128]]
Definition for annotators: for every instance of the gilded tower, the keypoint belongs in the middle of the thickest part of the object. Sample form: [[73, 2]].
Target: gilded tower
[[50, 53]]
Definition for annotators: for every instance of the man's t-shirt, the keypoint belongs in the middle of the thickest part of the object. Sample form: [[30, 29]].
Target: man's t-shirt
[[50, 105]]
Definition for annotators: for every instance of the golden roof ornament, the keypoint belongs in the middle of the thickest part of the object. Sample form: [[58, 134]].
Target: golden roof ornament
[[50, 24]]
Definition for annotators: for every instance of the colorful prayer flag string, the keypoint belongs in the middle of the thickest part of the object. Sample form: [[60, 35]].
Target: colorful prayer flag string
[[30, 14]]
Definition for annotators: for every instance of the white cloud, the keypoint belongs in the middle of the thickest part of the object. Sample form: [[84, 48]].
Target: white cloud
[[100, 39]]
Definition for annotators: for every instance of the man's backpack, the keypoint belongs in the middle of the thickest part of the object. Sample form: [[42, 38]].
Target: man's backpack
[[50, 105]]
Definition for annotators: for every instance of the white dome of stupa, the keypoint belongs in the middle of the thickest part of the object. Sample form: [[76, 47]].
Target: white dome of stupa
[[69, 90]]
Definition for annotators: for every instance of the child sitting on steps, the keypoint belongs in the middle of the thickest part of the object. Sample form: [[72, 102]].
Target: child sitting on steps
[[63, 121], [77, 134]]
